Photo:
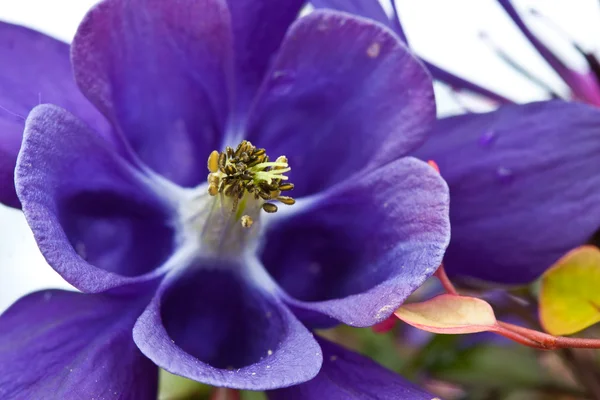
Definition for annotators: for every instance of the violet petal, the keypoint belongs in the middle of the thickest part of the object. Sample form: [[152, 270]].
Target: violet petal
[[256, 41], [215, 327], [371, 9], [357, 252], [162, 73], [348, 375], [95, 218], [524, 187], [68, 345], [35, 68], [343, 94]]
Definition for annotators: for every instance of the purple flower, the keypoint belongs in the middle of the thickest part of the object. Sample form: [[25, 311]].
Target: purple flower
[[213, 287], [523, 179], [584, 86]]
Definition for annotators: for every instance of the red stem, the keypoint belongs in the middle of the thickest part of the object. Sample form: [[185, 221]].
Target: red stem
[[517, 337], [525, 336], [225, 394], [445, 281], [545, 341]]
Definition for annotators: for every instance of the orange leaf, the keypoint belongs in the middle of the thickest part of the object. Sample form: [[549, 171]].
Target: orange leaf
[[449, 314]]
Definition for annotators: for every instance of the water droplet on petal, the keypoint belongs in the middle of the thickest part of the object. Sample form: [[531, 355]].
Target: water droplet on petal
[[504, 174], [487, 138]]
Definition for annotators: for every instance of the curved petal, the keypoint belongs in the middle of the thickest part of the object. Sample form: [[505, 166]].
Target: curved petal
[[73, 346], [357, 252], [96, 219], [343, 94], [371, 9], [347, 375], [524, 185], [34, 68], [160, 71], [212, 326], [256, 41]]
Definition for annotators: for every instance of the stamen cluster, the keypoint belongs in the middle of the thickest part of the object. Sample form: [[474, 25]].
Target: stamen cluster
[[247, 170]]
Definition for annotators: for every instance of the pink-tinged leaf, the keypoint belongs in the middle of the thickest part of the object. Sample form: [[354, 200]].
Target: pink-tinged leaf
[[569, 298], [449, 314]]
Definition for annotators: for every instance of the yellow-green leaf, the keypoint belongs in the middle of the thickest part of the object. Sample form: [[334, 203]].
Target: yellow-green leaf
[[570, 292], [449, 314], [173, 387]]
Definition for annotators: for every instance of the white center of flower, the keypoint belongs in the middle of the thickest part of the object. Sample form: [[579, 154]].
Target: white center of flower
[[242, 183]]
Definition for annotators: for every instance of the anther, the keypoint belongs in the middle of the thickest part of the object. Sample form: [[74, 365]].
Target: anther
[[246, 221], [286, 200], [269, 207], [213, 161], [247, 171]]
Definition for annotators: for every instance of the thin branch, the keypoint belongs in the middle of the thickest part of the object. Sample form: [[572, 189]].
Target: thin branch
[[445, 281], [549, 342]]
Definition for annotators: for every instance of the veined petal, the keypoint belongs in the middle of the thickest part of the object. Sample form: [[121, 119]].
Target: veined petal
[[524, 185], [371, 9], [256, 41], [211, 325], [68, 345], [34, 68], [96, 219], [356, 252], [343, 94], [161, 72], [347, 375]]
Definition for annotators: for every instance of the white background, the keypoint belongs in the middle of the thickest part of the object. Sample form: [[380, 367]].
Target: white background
[[445, 32]]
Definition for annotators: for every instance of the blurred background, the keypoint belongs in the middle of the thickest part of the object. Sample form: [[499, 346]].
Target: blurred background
[[461, 36]]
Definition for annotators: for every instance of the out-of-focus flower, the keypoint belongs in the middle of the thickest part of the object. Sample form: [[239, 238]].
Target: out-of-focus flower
[[213, 282], [523, 181], [584, 86]]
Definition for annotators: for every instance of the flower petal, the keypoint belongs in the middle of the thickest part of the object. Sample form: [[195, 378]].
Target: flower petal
[[34, 68], [343, 94], [96, 219], [524, 186], [357, 252], [257, 41], [347, 375], [160, 71], [72, 346], [212, 326], [371, 9]]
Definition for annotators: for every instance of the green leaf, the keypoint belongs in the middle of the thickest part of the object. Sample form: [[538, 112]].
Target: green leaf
[[248, 395], [569, 298], [174, 387]]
